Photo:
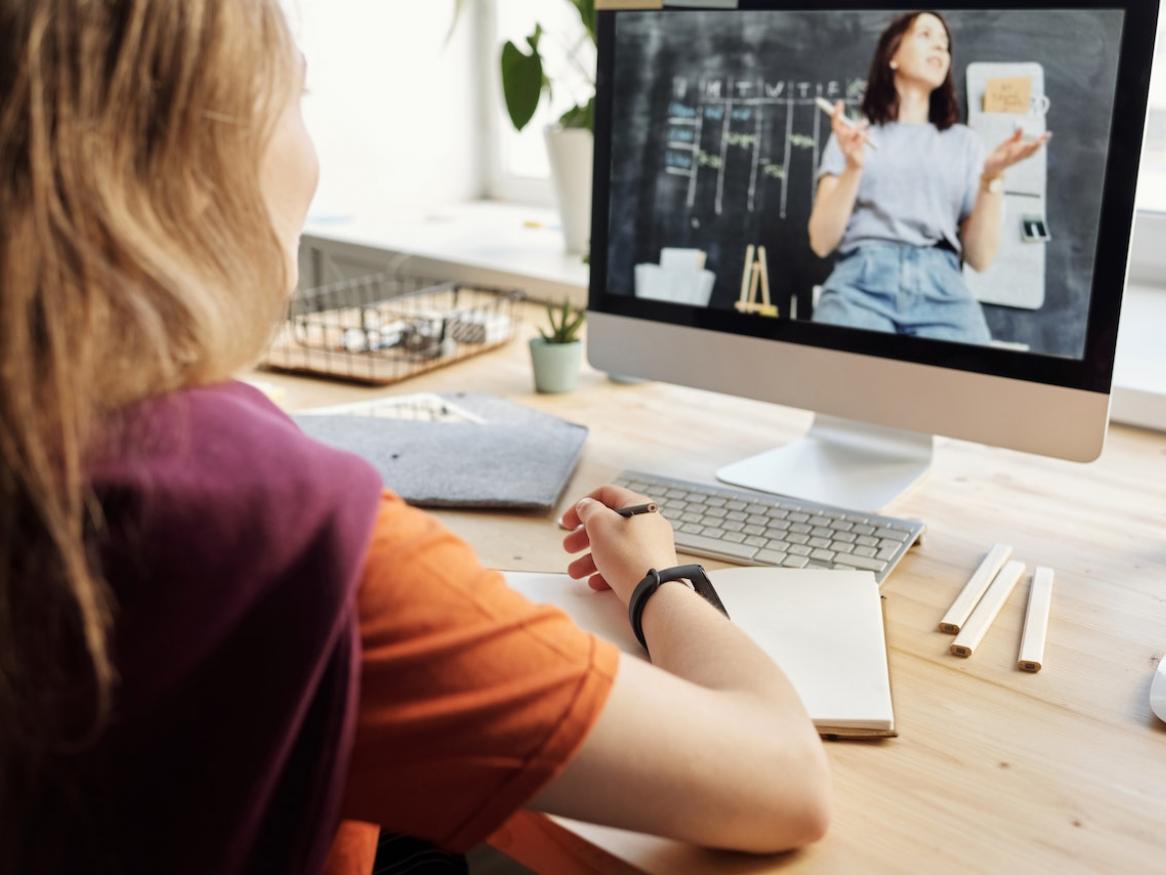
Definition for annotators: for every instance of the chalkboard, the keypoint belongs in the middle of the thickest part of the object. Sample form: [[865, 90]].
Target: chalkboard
[[716, 139]]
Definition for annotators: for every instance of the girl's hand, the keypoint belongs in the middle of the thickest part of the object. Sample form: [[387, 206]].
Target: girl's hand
[[1012, 151], [622, 550], [851, 137]]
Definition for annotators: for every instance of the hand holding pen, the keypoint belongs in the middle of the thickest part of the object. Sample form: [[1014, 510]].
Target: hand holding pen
[[620, 549]]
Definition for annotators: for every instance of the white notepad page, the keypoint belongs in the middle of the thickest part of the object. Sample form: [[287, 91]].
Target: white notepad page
[[824, 628]]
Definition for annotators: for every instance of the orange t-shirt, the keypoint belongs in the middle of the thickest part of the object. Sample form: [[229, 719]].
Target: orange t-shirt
[[471, 697]]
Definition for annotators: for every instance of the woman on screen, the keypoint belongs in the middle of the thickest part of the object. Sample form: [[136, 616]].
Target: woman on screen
[[903, 207]]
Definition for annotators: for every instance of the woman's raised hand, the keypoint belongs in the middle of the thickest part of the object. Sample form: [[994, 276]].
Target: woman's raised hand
[[851, 137], [1012, 151]]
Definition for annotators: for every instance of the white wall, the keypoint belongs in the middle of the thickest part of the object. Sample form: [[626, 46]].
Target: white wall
[[391, 106]]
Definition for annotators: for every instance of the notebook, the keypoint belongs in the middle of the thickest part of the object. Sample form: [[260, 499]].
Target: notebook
[[461, 449], [824, 628]]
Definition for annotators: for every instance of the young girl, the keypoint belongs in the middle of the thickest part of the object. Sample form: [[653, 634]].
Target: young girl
[[219, 639], [902, 217]]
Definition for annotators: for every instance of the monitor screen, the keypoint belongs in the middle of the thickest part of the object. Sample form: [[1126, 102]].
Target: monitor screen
[[918, 185]]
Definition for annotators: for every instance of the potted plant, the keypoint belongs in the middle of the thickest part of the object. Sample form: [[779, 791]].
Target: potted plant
[[558, 354], [570, 142]]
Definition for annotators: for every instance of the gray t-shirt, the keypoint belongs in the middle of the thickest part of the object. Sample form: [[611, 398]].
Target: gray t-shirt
[[916, 187]]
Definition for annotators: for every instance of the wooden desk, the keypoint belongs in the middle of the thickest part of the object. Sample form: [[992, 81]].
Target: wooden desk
[[995, 770]]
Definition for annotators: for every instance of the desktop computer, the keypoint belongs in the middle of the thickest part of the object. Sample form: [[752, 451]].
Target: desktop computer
[[911, 223]]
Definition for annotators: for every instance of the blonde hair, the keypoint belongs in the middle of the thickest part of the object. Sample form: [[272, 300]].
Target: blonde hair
[[137, 257]]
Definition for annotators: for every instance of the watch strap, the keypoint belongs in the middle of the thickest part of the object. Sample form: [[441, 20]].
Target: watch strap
[[652, 581]]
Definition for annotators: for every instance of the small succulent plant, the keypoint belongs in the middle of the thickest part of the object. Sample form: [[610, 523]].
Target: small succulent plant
[[565, 324]]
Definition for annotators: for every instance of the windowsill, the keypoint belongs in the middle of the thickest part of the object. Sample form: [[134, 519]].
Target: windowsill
[[1139, 373], [504, 244]]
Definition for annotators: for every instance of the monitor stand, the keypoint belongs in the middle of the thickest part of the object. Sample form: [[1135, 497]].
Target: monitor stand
[[840, 462]]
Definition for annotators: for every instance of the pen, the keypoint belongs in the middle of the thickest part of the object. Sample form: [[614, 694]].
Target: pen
[[828, 108], [650, 507]]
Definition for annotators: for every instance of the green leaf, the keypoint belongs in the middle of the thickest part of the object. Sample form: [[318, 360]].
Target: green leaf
[[580, 116], [551, 317], [522, 79], [575, 325]]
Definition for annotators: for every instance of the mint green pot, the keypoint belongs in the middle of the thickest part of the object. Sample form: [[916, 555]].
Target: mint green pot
[[556, 365]]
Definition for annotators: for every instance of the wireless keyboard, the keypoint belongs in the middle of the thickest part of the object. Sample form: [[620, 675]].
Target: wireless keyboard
[[753, 528]]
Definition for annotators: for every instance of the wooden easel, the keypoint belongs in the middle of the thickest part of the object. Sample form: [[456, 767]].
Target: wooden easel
[[756, 275]]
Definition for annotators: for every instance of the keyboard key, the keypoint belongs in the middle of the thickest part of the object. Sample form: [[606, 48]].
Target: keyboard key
[[777, 528], [715, 501], [865, 564], [847, 537], [841, 546], [797, 539], [776, 545], [889, 542], [696, 497], [736, 515], [822, 555], [819, 520], [863, 530], [795, 561], [756, 508], [714, 532], [798, 550], [771, 557], [854, 517], [736, 505], [675, 493], [777, 513], [758, 519], [841, 525], [735, 537], [755, 541], [709, 545], [732, 526], [864, 551], [692, 528], [897, 534], [691, 518], [754, 530], [887, 553], [801, 528], [715, 512], [798, 517], [866, 541], [822, 532], [821, 542]]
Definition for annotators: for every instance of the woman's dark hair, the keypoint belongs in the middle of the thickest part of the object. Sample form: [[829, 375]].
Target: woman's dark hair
[[881, 102]]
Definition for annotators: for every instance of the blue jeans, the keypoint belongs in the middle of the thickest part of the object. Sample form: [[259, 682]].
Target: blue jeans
[[904, 289]]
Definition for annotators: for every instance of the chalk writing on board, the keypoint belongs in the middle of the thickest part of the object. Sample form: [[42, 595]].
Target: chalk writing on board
[[714, 123]]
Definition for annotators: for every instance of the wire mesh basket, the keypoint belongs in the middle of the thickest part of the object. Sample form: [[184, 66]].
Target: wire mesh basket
[[387, 327]]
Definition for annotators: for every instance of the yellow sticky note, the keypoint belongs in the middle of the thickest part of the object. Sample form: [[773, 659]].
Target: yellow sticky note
[[1008, 94]]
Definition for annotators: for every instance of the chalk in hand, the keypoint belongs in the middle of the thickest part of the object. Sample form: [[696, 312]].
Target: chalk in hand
[[828, 108]]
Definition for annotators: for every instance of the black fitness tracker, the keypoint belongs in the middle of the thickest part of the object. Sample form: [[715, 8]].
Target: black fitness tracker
[[652, 581]]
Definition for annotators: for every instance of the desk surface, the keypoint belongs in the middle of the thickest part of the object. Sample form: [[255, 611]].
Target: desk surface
[[995, 769]]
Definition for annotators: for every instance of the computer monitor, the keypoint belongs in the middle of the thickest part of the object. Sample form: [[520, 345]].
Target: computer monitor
[[922, 262]]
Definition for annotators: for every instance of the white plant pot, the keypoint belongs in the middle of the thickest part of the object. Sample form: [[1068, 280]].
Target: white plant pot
[[570, 151]]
